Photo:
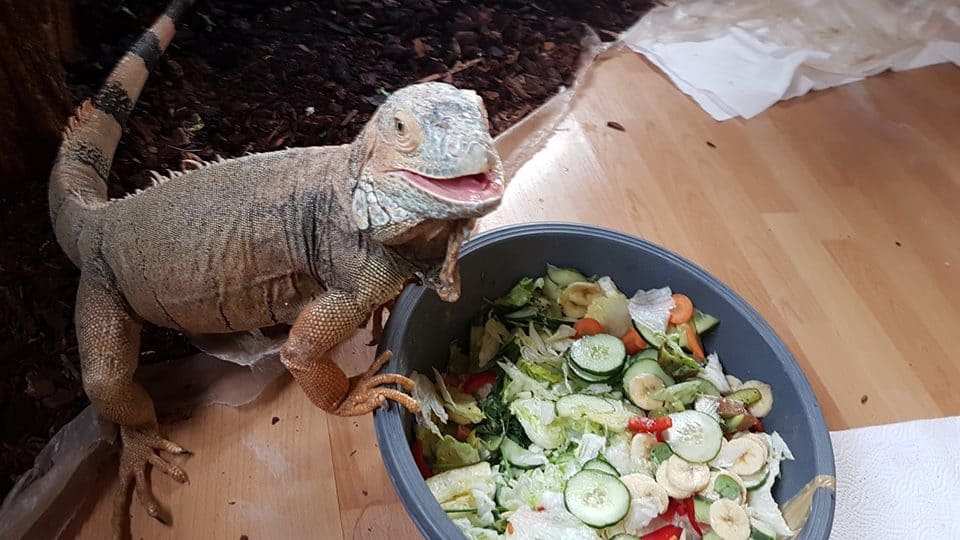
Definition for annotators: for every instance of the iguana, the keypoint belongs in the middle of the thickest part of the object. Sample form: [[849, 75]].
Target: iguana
[[316, 236]]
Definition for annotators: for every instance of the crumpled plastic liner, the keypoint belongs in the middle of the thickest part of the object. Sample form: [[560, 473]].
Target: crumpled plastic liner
[[234, 371]]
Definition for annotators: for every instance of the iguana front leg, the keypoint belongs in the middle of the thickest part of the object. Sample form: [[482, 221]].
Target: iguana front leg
[[109, 343], [322, 325]]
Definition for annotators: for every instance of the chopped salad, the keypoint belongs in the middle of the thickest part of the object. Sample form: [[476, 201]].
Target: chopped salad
[[578, 412]]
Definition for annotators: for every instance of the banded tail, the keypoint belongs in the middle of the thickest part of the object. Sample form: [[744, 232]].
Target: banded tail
[[78, 181]]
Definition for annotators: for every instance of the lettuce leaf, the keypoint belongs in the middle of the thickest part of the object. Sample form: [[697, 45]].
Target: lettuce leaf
[[450, 453], [613, 314], [537, 418], [519, 295], [651, 309], [473, 532], [541, 372], [430, 404], [760, 502], [527, 489], [494, 335], [713, 372], [461, 407], [551, 524], [589, 447], [450, 484], [521, 382], [428, 439], [617, 452]]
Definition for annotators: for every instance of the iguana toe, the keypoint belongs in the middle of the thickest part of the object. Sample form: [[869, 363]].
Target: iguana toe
[[139, 449], [363, 400]]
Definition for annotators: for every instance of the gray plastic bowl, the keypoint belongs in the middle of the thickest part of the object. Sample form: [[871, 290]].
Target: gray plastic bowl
[[421, 327]]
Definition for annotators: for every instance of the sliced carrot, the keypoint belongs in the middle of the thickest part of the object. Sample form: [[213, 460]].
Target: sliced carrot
[[633, 341], [587, 327], [693, 341], [682, 310]]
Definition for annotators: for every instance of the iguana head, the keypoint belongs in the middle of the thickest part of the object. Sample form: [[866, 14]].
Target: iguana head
[[427, 156]]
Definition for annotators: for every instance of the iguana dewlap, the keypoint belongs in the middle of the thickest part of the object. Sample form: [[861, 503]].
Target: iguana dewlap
[[317, 237]]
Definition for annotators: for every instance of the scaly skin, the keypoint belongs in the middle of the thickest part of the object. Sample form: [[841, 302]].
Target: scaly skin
[[318, 237]]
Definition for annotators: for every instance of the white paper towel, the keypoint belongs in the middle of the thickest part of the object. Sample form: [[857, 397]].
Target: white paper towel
[[739, 57], [898, 481]]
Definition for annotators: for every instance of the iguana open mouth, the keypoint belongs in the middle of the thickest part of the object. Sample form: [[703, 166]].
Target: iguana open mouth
[[471, 188]]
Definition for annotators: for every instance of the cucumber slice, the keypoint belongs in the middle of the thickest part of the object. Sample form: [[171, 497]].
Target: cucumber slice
[[600, 354], [747, 396], [654, 340], [702, 322], [701, 510], [649, 353], [755, 480], [519, 456], [625, 536], [551, 290], [694, 436], [597, 499], [579, 405], [710, 535], [564, 276], [647, 365], [589, 377], [600, 465]]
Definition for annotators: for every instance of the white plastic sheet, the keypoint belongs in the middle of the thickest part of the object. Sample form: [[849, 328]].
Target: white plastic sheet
[[739, 57]]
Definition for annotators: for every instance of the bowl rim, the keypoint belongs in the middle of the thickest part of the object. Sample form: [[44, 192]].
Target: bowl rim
[[420, 504]]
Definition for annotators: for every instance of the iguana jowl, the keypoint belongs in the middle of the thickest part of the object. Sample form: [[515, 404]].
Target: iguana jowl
[[317, 237]]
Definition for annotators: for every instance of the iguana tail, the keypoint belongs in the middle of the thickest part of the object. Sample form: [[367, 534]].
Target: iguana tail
[[78, 179]]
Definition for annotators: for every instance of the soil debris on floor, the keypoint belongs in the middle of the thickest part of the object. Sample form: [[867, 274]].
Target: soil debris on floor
[[255, 76]]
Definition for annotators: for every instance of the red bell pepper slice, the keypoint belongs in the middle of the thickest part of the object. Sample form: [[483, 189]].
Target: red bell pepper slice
[[417, 450], [478, 381], [669, 532], [691, 513], [642, 424], [674, 508], [757, 425]]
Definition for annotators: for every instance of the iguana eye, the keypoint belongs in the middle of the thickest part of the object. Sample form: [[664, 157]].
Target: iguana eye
[[407, 132]]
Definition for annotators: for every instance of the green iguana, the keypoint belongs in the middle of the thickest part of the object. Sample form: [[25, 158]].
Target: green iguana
[[318, 237]]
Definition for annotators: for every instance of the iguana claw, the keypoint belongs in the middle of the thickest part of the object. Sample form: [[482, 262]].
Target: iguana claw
[[366, 391], [139, 449]]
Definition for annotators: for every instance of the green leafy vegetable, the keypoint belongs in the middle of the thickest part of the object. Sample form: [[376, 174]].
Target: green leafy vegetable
[[460, 406], [660, 453], [519, 295], [451, 454], [541, 372], [537, 418], [676, 362]]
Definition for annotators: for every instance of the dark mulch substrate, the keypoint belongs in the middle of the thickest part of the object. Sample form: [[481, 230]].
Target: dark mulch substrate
[[251, 76]]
